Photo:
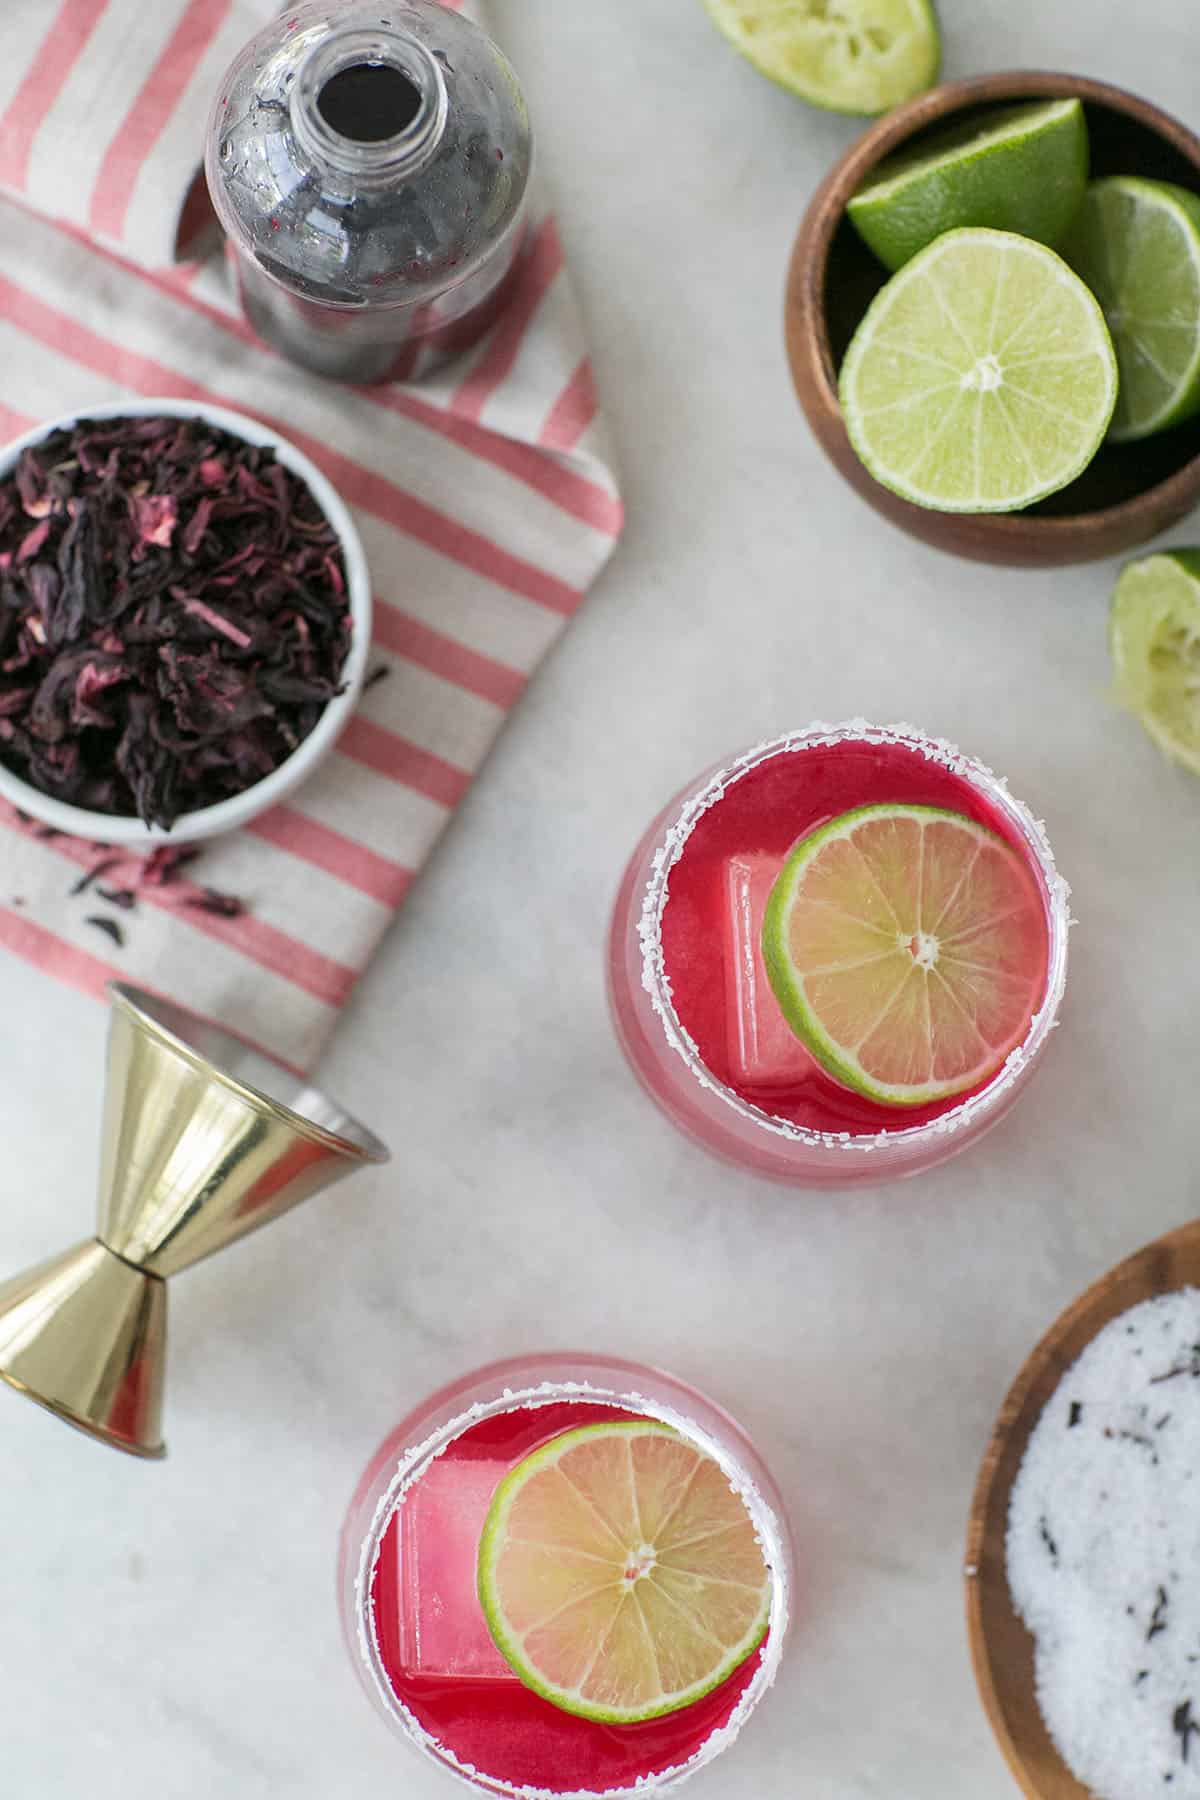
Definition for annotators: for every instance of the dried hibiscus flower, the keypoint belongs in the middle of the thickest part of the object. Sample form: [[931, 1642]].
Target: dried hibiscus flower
[[173, 616]]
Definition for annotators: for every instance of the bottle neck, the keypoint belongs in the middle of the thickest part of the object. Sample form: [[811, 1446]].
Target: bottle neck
[[370, 104]]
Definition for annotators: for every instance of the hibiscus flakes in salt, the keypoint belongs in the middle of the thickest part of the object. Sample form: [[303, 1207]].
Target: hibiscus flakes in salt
[[1104, 1555], [173, 616]]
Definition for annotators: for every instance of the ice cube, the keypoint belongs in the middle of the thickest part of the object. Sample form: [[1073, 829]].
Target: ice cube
[[442, 1628], [763, 1050]]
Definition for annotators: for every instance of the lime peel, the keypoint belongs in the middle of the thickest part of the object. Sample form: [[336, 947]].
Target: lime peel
[[1022, 169]]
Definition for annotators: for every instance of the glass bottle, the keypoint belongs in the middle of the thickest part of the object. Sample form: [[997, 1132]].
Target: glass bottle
[[370, 165]]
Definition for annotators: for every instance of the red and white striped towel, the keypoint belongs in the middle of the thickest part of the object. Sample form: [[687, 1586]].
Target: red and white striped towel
[[487, 503]]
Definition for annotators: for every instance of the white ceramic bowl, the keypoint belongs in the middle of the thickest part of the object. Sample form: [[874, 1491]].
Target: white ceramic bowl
[[227, 815]]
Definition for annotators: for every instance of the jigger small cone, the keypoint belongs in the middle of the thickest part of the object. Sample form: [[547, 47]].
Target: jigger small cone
[[204, 1141]]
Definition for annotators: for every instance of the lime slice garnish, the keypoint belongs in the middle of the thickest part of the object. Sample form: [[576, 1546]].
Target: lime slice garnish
[[907, 948], [620, 1574], [1023, 169], [1154, 636], [856, 56], [1137, 245], [982, 377]]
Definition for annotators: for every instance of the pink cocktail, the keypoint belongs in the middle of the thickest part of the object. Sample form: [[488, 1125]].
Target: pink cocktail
[[410, 1607], [694, 1009]]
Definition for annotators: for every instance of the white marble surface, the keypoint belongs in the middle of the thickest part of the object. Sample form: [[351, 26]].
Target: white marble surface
[[170, 1631]]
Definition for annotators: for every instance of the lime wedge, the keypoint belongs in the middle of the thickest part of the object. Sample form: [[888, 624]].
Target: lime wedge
[[982, 377], [1137, 245], [620, 1574], [1022, 169], [1154, 637], [907, 948], [855, 56]]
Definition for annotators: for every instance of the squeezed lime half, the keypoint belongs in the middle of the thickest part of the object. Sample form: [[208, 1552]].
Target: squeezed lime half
[[856, 56]]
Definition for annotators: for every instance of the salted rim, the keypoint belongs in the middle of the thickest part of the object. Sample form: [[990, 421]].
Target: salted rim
[[657, 984], [414, 1462]]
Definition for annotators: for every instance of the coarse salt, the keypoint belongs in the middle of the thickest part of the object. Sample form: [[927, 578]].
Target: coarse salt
[[1104, 1555]]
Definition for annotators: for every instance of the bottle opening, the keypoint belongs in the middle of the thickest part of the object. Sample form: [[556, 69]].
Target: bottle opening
[[369, 102]]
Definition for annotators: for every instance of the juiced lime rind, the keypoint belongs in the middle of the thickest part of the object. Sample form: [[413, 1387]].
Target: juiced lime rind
[[507, 1641], [934, 345], [1023, 169], [1154, 640], [1137, 245], [810, 53], [789, 990]]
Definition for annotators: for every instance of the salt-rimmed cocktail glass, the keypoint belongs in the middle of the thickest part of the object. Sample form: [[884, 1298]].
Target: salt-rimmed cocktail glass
[[750, 809], [411, 1614]]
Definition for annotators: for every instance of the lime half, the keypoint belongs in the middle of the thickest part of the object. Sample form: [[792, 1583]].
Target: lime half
[[856, 56], [1137, 245], [907, 948], [1154, 636], [982, 377], [620, 1573], [1022, 169]]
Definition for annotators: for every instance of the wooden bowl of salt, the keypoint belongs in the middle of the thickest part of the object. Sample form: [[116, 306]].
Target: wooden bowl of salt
[[1002, 1649]]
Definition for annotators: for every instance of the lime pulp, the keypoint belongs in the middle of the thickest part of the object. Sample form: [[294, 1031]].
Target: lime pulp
[[982, 377]]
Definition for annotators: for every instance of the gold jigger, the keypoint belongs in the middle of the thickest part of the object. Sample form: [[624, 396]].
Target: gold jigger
[[204, 1140]]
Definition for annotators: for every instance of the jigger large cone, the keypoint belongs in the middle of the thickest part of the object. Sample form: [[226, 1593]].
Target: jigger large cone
[[204, 1141]]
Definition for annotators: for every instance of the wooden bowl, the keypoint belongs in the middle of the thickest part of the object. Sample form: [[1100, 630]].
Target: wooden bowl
[[1131, 491], [1002, 1650]]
